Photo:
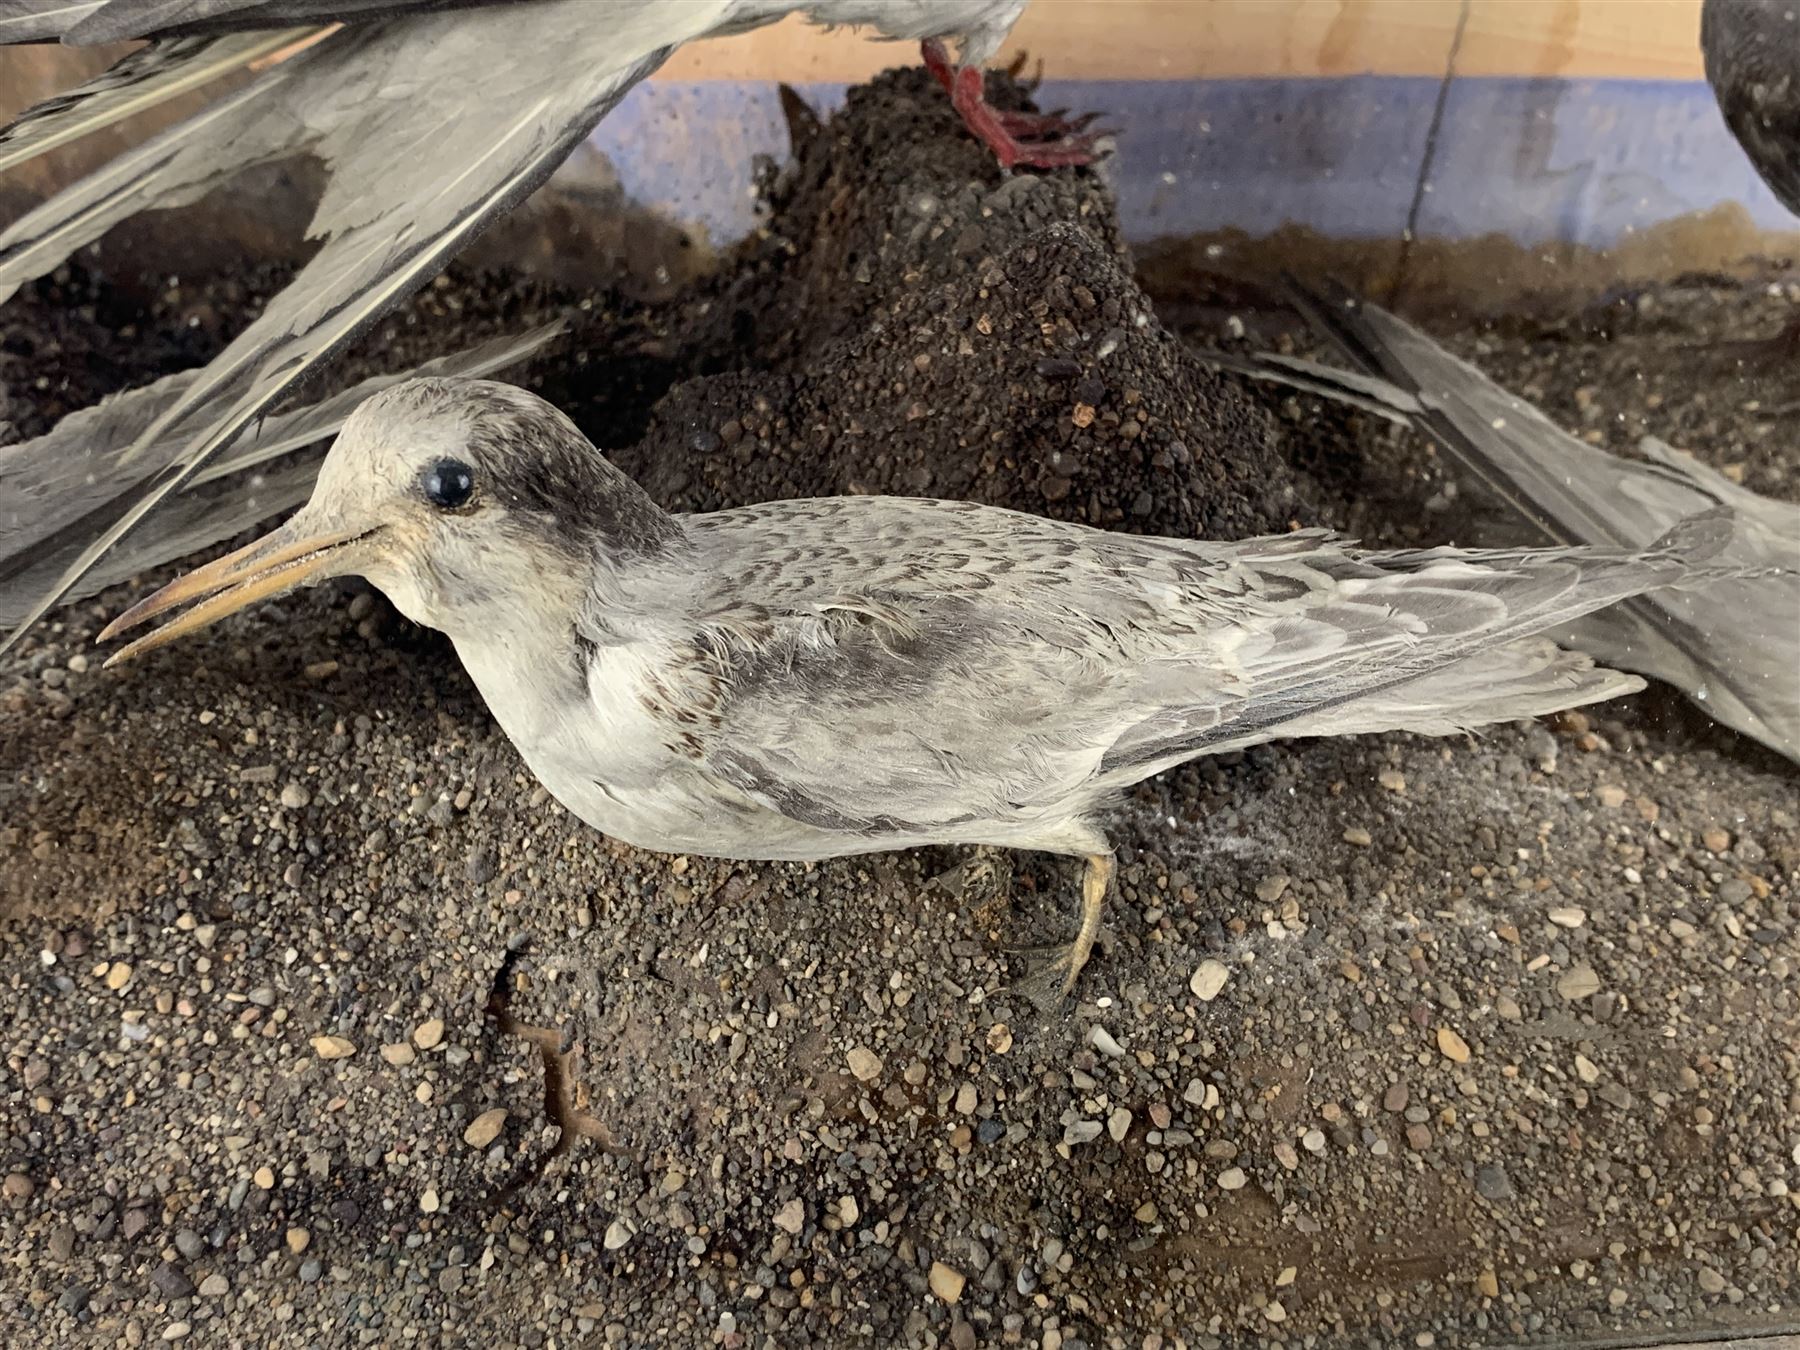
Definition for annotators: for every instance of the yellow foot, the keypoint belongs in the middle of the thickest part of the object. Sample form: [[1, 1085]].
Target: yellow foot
[[1053, 982]]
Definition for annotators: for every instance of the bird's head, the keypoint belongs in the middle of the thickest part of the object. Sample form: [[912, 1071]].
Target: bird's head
[[475, 506]]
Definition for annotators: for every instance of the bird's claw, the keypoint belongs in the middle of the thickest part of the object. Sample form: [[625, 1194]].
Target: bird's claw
[[565, 1099], [1048, 985]]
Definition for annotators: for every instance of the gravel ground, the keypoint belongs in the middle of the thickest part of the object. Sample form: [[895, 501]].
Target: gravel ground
[[1465, 1042]]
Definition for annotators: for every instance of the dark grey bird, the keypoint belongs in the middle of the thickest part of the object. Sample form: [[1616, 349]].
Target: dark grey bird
[[1732, 644], [815, 678], [1751, 50], [431, 118]]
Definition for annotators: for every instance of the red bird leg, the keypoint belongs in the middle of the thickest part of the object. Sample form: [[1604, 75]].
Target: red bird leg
[[1036, 140]]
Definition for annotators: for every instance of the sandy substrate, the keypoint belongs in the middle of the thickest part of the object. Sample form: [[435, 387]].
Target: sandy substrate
[[1468, 1042]]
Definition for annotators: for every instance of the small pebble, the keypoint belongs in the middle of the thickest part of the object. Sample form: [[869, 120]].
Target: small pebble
[[791, 1217], [1578, 983], [1208, 980], [485, 1128], [864, 1063]]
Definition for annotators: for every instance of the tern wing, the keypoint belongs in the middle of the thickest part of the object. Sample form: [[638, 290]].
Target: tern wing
[[875, 650], [429, 128], [1733, 645]]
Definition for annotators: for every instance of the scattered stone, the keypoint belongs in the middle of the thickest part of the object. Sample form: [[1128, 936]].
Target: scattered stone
[[485, 1128], [1101, 1039], [618, 1233], [1357, 836], [1271, 888], [171, 1281], [1208, 980], [1586, 1069], [1578, 983], [1453, 1047], [946, 1282], [332, 1047], [430, 1034], [1081, 1131], [1233, 1179], [118, 975], [1492, 1183], [1610, 796], [864, 1063], [1568, 916], [298, 1240], [429, 1202], [215, 1286], [1487, 1284], [791, 1217], [398, 1054], [1118, 1124], [294, 796]]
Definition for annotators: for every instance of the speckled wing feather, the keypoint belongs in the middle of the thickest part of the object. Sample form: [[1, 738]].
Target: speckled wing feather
[[1026, 660], [1733, 645]]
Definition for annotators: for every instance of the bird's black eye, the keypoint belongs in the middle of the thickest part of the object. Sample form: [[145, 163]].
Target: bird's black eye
[[448, 483]]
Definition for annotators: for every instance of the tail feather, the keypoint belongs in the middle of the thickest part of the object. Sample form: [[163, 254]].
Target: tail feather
[[1728, 636], [147, 77], [58, 491]]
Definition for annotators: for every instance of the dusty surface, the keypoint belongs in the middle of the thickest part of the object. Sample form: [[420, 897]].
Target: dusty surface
[[1504, 1051]]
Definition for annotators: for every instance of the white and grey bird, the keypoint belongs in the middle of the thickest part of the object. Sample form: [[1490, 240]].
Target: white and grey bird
[[1732, 645], [814, 678], [430, 117]]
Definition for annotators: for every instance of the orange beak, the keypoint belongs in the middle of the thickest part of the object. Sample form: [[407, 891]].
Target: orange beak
[[277, 563]]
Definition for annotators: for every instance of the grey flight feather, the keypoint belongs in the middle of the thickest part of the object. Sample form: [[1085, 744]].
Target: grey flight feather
[[41, 20], [50, 485], [1733, 645], [431, 119], [151, 75]]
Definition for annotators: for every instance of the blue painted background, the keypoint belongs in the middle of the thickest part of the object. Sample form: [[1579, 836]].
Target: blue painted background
[[1581, 161]]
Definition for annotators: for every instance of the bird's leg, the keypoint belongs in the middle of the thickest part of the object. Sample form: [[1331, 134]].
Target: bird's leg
[[565, 1100], [1041, 986], [1036, 140]]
